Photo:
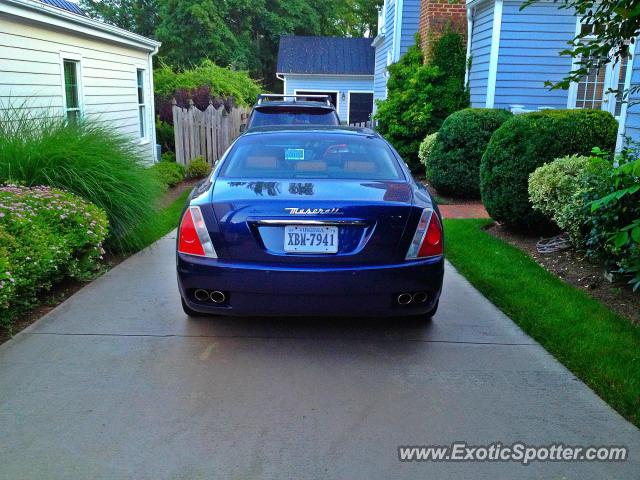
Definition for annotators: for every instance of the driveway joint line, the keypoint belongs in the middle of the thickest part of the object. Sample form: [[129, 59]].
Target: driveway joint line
[[262, 337]]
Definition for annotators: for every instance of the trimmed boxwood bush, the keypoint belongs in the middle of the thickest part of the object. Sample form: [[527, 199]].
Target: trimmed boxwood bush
[[528, 141], [46, 235], [453, 166]]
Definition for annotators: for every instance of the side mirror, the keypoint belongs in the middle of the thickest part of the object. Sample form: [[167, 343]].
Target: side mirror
[[243, 127]]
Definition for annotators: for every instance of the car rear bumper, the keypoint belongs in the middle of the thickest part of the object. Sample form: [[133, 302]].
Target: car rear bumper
[[267, 290]]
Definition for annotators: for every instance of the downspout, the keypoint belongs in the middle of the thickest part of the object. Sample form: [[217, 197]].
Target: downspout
[[469, 36], [154, 140]]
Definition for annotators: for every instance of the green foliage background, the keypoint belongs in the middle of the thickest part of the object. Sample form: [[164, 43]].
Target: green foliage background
[[422, 94], [242, 33]]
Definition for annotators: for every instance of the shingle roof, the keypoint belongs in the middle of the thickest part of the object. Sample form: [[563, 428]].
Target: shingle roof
[[326, 55], [65, 5]]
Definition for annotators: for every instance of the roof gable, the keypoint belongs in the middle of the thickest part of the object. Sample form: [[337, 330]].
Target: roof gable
[[65, 5], [326, 55]]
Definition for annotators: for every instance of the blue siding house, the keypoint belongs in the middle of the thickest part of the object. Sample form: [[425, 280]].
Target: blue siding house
[[340, 67], [513, 52], [398, 22]]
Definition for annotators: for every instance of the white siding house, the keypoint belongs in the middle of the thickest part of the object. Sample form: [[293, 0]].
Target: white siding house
[[55, 60], [339, 67]]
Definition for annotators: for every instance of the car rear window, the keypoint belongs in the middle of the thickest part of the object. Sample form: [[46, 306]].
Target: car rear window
[[311, 155], [293, 116]]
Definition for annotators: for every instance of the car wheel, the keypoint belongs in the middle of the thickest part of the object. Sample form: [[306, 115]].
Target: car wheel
[[187, 310]]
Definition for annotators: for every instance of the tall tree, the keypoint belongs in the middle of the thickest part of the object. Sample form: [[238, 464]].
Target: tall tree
[[138, 16], [242, 33]]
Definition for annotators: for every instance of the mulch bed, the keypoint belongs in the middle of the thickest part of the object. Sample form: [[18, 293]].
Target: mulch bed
[[572, 267]]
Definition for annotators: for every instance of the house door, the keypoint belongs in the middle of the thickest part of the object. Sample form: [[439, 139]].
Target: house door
[[360, 107], [333, 95]]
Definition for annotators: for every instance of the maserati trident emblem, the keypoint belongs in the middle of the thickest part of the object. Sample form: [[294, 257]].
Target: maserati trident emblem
[[313, 211]]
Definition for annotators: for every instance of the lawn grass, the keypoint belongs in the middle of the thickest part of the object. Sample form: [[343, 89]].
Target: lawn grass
[[161, 222], [596, 344]]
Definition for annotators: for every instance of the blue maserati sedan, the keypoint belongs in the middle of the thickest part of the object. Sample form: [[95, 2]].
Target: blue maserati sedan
[[310, 221]]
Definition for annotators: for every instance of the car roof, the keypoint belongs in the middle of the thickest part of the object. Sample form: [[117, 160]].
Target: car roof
[[298, 103], [317, 129]]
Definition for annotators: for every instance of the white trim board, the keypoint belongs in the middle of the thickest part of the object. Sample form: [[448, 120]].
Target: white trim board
[[397, 30], [625, 104], [349, 92], [493, 57]]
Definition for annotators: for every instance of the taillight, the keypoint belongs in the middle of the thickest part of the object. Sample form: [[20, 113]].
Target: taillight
[[193, 237], [427, 241]]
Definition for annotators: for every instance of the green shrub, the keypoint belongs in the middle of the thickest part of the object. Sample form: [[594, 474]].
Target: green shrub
[[198, 168], [525, 142], [426, 147], [224, 82], [615, 220], [46, 235], [422, 94], [558, 190], [168, 157], [84, 158], [169, 173], [165, 136], [453, 167]]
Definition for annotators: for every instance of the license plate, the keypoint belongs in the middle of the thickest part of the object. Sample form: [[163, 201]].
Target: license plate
[[306, 239]]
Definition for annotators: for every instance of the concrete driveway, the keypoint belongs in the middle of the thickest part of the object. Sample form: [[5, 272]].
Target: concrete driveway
[[117, 383]]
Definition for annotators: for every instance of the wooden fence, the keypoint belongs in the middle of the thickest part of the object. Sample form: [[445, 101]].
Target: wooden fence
[[207, 133], [368, 124]]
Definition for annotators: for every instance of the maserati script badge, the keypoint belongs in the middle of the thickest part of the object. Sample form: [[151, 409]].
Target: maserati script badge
[[314, 211]]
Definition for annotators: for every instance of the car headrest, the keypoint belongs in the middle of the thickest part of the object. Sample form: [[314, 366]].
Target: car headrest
[[359, 166], [261, 162], [311, 166]]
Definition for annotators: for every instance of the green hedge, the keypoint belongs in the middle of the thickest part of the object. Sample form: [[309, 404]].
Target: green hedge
[[528, 141], [453, 166], [169, 173], [46, 235]]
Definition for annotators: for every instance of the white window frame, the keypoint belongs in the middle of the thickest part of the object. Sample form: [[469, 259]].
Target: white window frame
[[144, 139], [612, 73], [349, 92], [77, 59]]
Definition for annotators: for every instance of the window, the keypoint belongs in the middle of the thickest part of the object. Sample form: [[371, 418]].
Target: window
[[141, 104], [309, 154], [71, 90], [594, 90], [591, 89]]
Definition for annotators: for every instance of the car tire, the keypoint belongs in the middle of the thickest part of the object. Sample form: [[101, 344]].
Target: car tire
[[187, 310]]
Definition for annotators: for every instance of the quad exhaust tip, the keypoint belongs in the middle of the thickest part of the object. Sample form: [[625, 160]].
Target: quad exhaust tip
[[215, 296], [218, 296], [419, 297], [201, 295], [404, 299]]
